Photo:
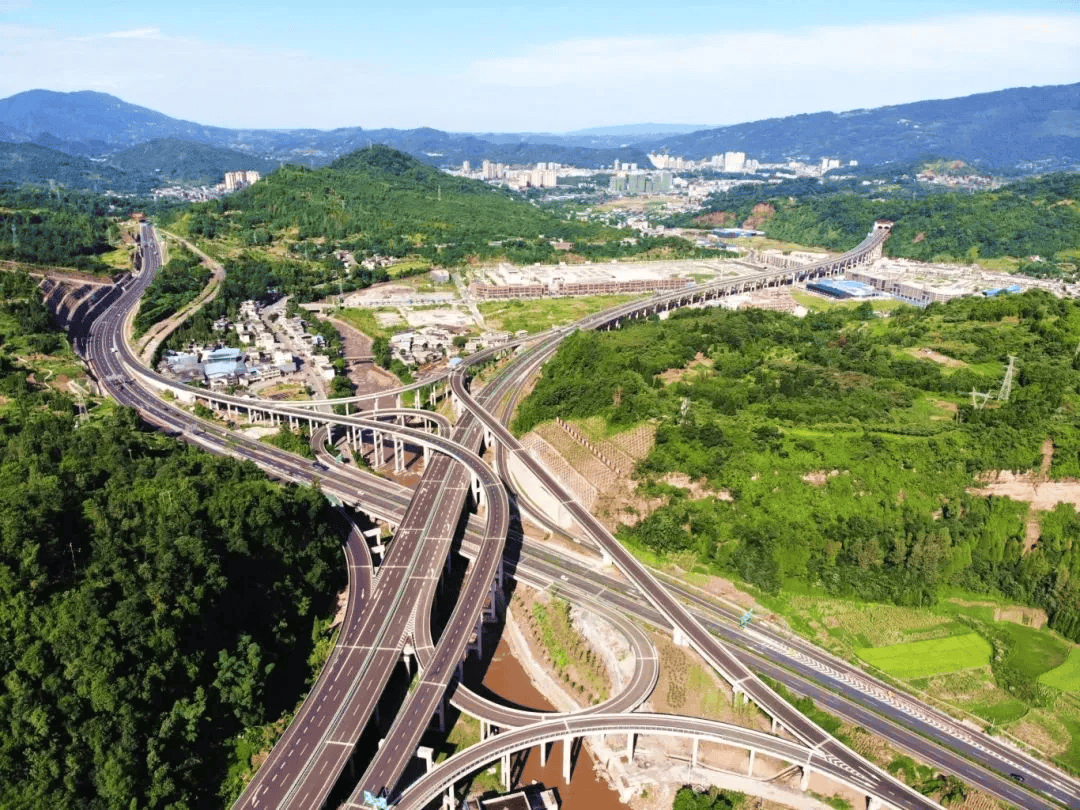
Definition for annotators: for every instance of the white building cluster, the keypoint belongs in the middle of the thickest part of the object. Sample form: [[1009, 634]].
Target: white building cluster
[[542, 280], [234, 181]]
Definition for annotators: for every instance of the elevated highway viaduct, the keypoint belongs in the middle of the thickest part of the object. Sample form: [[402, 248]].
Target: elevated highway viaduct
[[658, 303]]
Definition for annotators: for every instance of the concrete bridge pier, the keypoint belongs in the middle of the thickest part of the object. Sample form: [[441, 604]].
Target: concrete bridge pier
[[440, 714], [407, 653], [491, 612], [478, 642], [804, 782], [426, 754], [750, 767], [377, 439], [630, 746], [694, 753], [477, 492], [543, 754], [399, 454], [448, 798], [567, 758], [504, 766]]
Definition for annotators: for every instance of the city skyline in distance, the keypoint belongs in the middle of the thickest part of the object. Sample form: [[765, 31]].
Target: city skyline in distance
[[490, 68]]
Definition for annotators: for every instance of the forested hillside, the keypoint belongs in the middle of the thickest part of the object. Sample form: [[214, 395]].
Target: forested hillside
[[1031, 218], [70, 229], [380, 201], [156, 600], [848, 443]]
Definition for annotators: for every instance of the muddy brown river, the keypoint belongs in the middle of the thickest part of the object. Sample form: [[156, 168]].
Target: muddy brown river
[[587, 790]]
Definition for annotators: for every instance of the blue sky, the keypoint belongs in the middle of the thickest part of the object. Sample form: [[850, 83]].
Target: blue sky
[[485, 65]]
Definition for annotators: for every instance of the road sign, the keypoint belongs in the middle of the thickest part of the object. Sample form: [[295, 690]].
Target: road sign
[[746, 618]]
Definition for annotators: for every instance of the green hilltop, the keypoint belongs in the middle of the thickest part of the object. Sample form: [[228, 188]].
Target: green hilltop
[[382, 201]]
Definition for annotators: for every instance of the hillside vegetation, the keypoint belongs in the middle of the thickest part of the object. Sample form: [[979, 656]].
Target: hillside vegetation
[[1032, 218], [68, 229], [382, 202], [846, 449], [155, 600]]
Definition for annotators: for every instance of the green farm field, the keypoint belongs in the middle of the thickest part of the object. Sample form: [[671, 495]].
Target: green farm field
[[1067, 676], [919, 659]]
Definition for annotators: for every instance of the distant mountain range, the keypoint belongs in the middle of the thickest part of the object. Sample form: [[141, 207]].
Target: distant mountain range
[[1018, 130]]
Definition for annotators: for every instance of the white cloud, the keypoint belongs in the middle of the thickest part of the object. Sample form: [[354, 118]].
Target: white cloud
[[137, 33], [825, 68], [711, 78]]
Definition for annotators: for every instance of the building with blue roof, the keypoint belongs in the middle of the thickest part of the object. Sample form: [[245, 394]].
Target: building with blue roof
[[841, 288]]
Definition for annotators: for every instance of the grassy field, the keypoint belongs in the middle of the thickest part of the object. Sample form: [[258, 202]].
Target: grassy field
[[1034, 652], [815, 303], [919, 659], [364, 320], [1065, 677], [538, 315]]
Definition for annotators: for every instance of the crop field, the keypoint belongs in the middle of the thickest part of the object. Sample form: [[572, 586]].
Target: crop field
[[1067, 676], [919, 659], [540, 314]]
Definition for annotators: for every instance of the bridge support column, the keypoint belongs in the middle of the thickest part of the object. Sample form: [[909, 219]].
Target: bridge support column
[[399, 455], [490, 611], [505, 768], [543, 754], [407, 653], [630, 746], [750, 767], [425, 753], [738, 696], [440, 714], [804, 783], [427, 456], [694, 753], [874, 803], [477, 491], [567, 746], [775, 725], [448, 798], [378, 440], [478, 644]]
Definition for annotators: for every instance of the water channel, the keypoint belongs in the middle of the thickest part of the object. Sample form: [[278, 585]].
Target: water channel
[[587, 790]]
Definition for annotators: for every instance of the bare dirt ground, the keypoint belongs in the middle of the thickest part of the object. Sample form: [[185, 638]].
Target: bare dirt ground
[[365, 375], [676, 374], [1032, 487], [937, 357], [697, 489]]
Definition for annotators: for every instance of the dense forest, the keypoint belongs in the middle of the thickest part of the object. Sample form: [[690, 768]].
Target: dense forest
[[155, 601], [846, 450], [69, 229], [379, 201], [175, 286], [1032, 218]]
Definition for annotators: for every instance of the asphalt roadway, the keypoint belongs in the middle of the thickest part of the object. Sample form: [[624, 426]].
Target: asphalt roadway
[[115, 377]]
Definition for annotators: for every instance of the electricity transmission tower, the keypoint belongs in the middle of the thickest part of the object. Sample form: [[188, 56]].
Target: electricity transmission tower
[[1006, 384], [979, 400]]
